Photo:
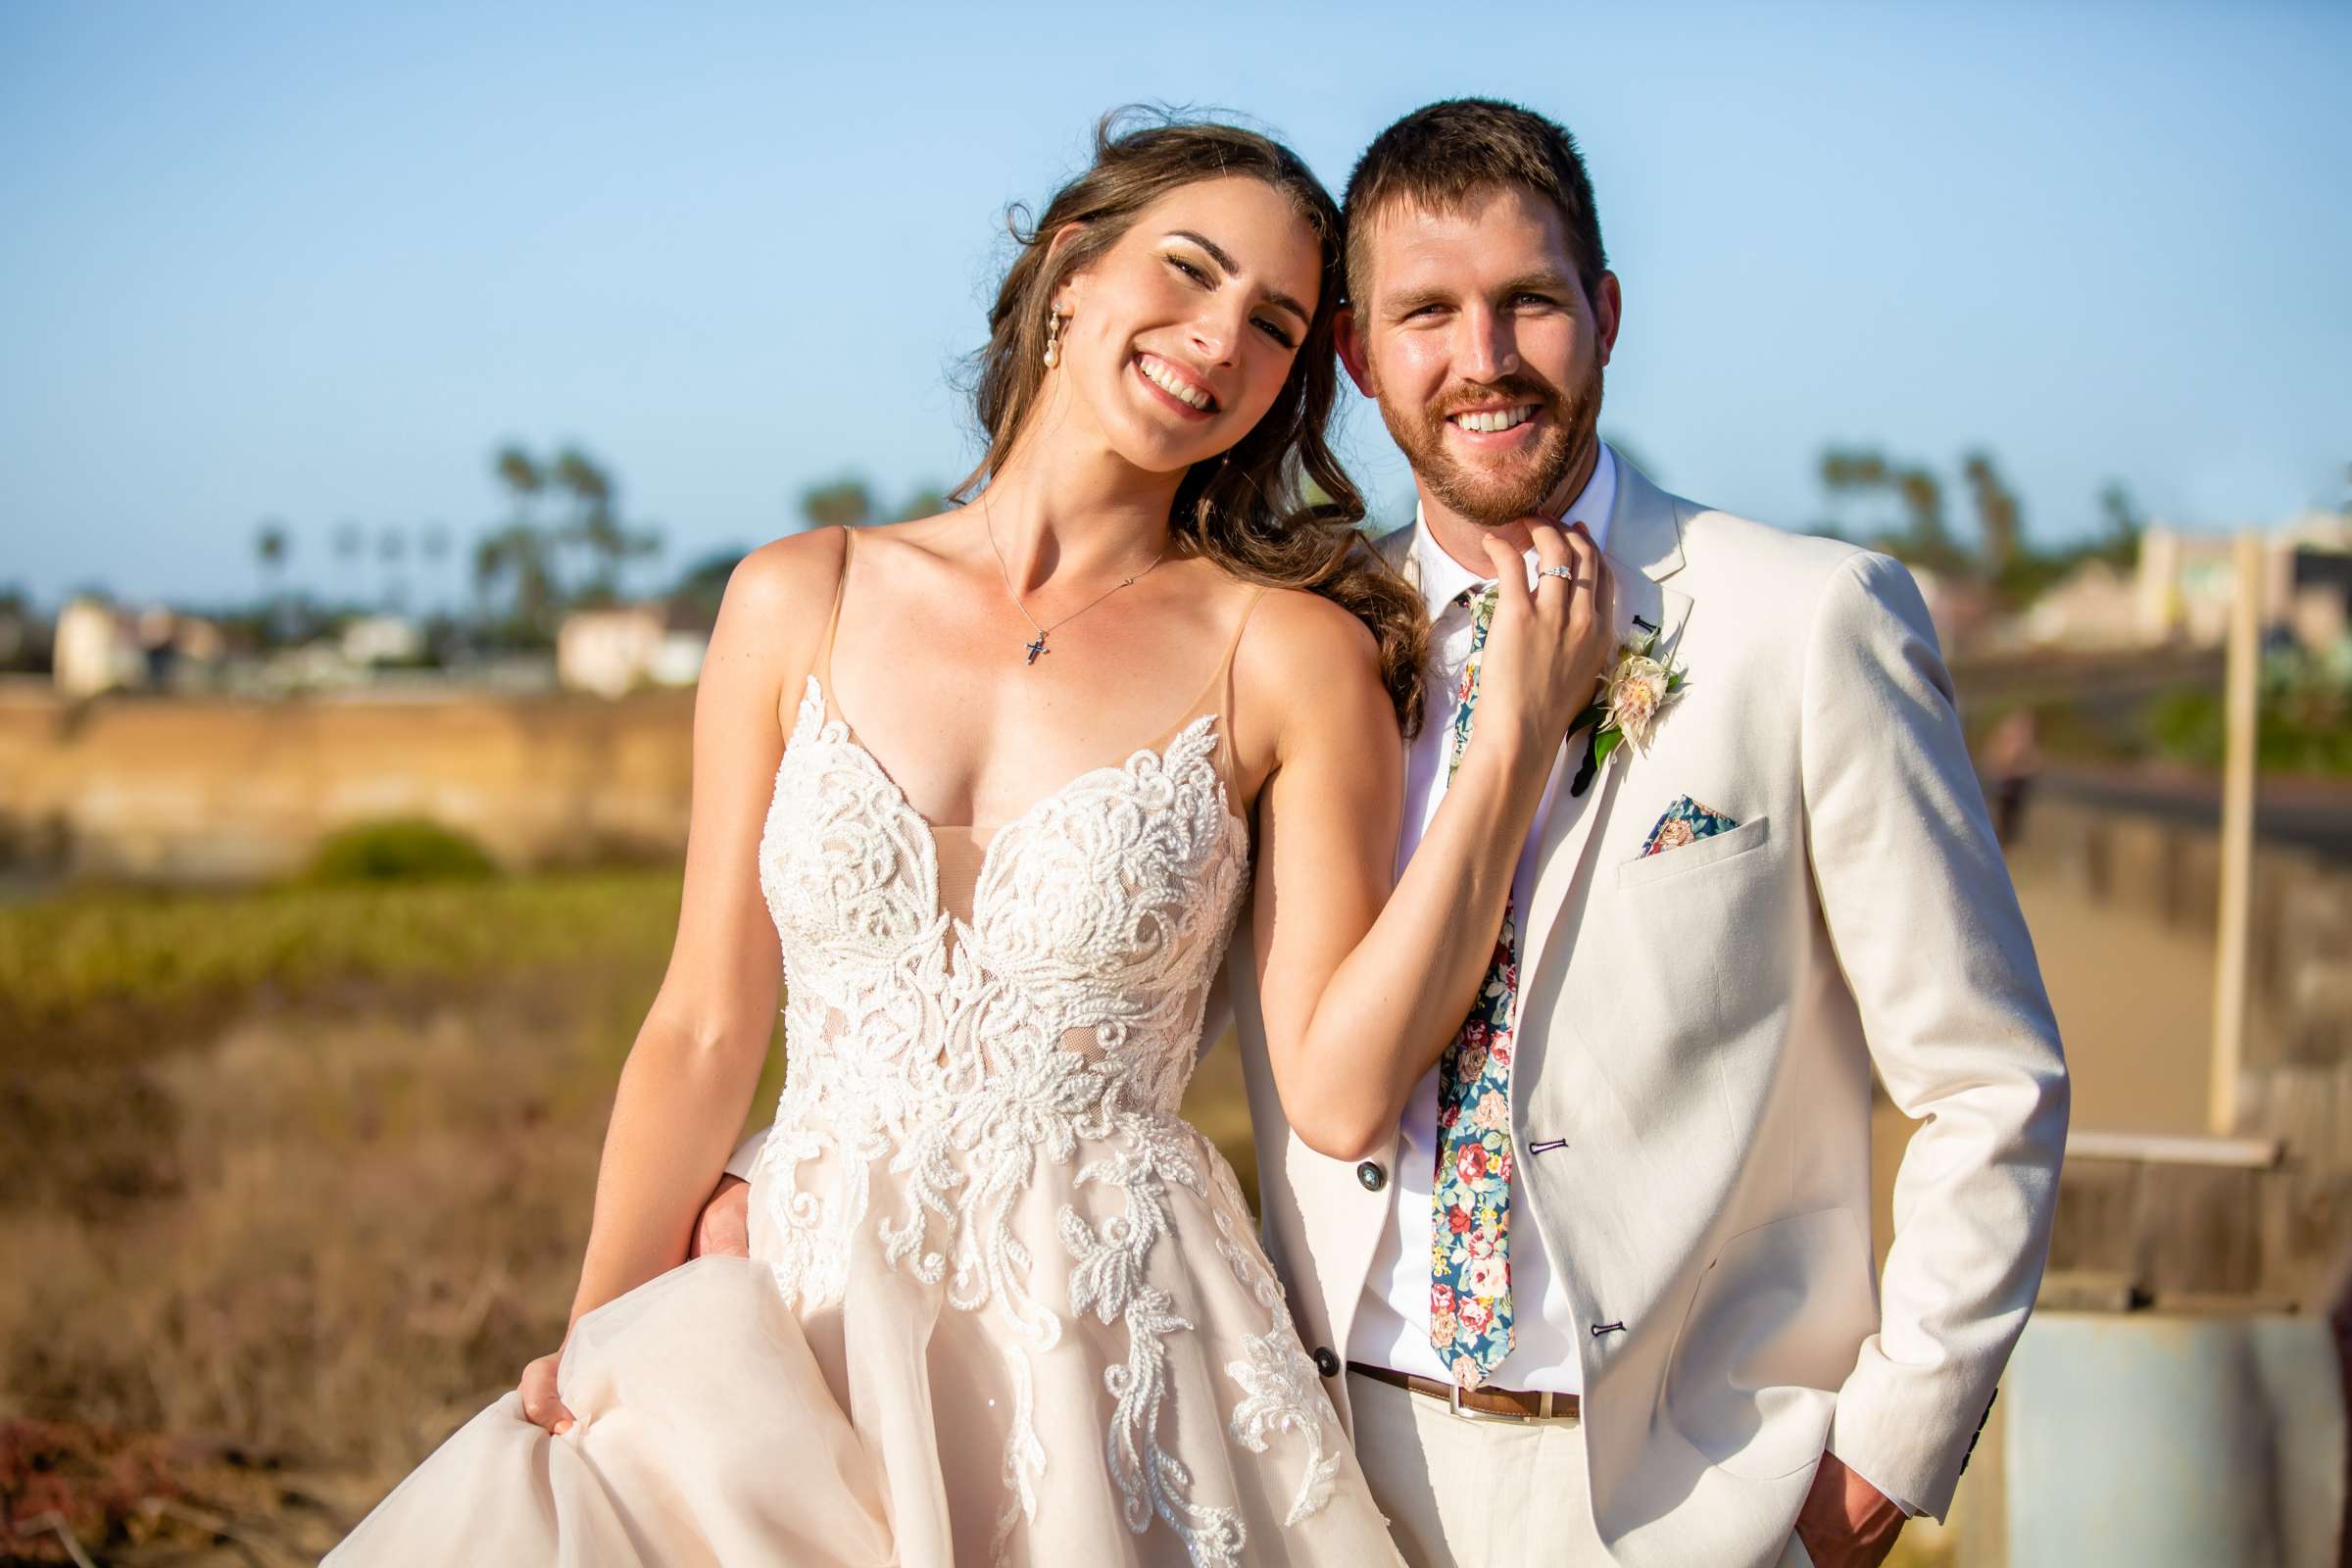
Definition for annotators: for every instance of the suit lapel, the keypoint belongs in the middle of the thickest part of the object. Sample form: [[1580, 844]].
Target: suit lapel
[[1645, 547]]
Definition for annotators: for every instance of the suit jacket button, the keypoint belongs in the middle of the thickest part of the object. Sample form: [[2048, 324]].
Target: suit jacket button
[[1372, 1176], [1325, 1363]]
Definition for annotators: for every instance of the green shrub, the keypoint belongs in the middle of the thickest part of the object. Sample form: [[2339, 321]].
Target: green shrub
[[99, 965], [402, 849]]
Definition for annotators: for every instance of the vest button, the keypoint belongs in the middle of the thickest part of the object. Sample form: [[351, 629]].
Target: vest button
[[1372, 1176], [1325, 1363]]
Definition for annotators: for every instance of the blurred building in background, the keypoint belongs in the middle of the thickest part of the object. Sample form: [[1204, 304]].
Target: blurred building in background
[[97, 648], [383, 639], [611, 652], [100, 647], [2179, 594]]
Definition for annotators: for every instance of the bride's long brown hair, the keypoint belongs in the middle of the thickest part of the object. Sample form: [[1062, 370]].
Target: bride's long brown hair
[[1276, 508]]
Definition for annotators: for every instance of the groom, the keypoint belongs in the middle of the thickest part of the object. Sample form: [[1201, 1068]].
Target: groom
[[1623, 1311]]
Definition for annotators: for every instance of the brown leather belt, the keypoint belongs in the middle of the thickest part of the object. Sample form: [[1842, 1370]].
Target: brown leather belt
[[1510, 1404]]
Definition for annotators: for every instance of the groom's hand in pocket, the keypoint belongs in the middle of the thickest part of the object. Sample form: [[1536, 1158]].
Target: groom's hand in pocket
[[1846, 1522], [726, 1228]]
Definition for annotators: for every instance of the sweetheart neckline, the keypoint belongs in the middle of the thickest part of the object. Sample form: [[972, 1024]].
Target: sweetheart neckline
[[815, 693]]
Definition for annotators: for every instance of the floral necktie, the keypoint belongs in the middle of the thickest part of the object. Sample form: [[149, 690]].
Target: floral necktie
[[1470, 1205]]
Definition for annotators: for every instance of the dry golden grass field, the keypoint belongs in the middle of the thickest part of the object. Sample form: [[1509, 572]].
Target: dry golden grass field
[[290, 1181]]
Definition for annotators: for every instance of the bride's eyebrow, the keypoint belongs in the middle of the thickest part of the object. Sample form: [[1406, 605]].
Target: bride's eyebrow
[[1217, 253]]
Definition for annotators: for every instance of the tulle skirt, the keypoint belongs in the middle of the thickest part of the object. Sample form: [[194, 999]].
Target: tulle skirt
[[718, 1424]]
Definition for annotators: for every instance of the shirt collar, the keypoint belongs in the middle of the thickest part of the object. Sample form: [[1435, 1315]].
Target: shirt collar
[[1445, 580]]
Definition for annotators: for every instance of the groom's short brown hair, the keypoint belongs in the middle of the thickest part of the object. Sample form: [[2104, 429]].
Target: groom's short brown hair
[[1440, 156]]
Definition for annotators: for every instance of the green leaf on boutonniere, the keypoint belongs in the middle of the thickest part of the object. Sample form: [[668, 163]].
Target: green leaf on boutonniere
[[1590, 721], [1598, 745], [1588, 766]]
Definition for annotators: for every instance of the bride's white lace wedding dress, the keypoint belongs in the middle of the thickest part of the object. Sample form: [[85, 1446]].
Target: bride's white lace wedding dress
[[1003, 1305]]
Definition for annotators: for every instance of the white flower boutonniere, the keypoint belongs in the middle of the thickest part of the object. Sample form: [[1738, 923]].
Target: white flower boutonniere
[[1637, 687]]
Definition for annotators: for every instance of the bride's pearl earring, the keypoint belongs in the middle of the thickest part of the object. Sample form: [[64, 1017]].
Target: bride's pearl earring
[[1052, 339]]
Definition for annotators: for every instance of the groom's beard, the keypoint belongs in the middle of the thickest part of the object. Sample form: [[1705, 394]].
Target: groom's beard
[[1516, 484]]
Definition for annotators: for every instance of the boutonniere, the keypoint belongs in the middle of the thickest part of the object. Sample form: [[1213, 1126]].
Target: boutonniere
[[1637, 687]]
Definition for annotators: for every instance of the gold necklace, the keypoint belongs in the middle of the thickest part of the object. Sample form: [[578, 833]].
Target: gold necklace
[[1038, 647]]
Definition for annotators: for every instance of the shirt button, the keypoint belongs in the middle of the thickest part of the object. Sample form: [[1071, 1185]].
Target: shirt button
[[1372, 1176], [1325, 1363]]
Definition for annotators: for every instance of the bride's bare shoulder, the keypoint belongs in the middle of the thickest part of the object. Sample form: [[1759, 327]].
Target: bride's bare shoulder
[[784, 575], [778, 602], [1293, 630], [1305, 661]]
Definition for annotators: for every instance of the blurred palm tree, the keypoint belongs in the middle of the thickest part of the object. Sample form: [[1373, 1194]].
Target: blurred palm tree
[[2120, 546], [271, 545], [350, 543], [927, 501], [391, 549], [1924, 540], [432, 547], [519, 560], [596, 526], [520, 475], [704, 583], [843, 502], [2001, 520]]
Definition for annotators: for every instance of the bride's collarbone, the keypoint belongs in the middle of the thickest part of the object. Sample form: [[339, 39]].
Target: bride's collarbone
[[974, 754], [962, 738]]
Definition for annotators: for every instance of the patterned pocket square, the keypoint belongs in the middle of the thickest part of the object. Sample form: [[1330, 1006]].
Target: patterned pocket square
[[1685, 822]]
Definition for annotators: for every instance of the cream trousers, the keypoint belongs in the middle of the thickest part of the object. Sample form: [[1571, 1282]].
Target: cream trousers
[[1461, 1492]]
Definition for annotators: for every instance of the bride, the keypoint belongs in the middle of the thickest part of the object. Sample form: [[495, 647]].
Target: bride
[[987, 790]]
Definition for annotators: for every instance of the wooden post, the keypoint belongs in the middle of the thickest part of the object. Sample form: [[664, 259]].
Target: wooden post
[[2242, 696]]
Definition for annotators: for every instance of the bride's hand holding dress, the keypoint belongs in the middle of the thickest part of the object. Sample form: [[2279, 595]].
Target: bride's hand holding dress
[[542, 1403]]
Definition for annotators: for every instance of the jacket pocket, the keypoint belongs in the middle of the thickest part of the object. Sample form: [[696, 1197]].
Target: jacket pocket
[[1744, 839], [1770, 1336]]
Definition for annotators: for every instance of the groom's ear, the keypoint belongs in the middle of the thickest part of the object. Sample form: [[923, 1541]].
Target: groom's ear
[[1609, 314], [1348, 337]]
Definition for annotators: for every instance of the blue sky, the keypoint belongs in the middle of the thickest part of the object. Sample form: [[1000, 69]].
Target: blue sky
[[316, 263]]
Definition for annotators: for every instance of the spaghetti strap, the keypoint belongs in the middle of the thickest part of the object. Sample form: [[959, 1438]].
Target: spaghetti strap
[[824, 656], [1215, 695], [1235, 646], [1228, 763]]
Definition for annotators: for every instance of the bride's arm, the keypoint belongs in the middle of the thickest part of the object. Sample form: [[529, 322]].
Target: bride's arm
[[690, 1074], [696, 1061], [1362, 987]]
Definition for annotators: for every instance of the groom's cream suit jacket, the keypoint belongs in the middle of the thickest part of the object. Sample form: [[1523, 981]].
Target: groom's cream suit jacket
[[1697, 1029]]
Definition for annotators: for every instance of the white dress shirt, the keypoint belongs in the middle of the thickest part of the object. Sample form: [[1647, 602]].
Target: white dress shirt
[[1392, 1326]]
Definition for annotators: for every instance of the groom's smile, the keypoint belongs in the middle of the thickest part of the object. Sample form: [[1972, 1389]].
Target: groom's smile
[[1493, 422]]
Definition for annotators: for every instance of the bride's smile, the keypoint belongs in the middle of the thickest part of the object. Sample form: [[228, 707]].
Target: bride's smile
[[1188, 393]]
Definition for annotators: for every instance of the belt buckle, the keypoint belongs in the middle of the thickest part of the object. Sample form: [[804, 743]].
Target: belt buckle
[[1453, 1404]]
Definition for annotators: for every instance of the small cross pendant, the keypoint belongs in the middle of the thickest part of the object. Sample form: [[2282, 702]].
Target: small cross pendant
[[1036, 648]]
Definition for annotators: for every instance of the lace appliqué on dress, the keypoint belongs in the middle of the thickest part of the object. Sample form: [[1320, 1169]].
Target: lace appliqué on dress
[[933, 1065], [1281, 1390]]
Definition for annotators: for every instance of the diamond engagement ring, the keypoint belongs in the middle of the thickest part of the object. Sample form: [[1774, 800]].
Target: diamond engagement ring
[[1568, 572]]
